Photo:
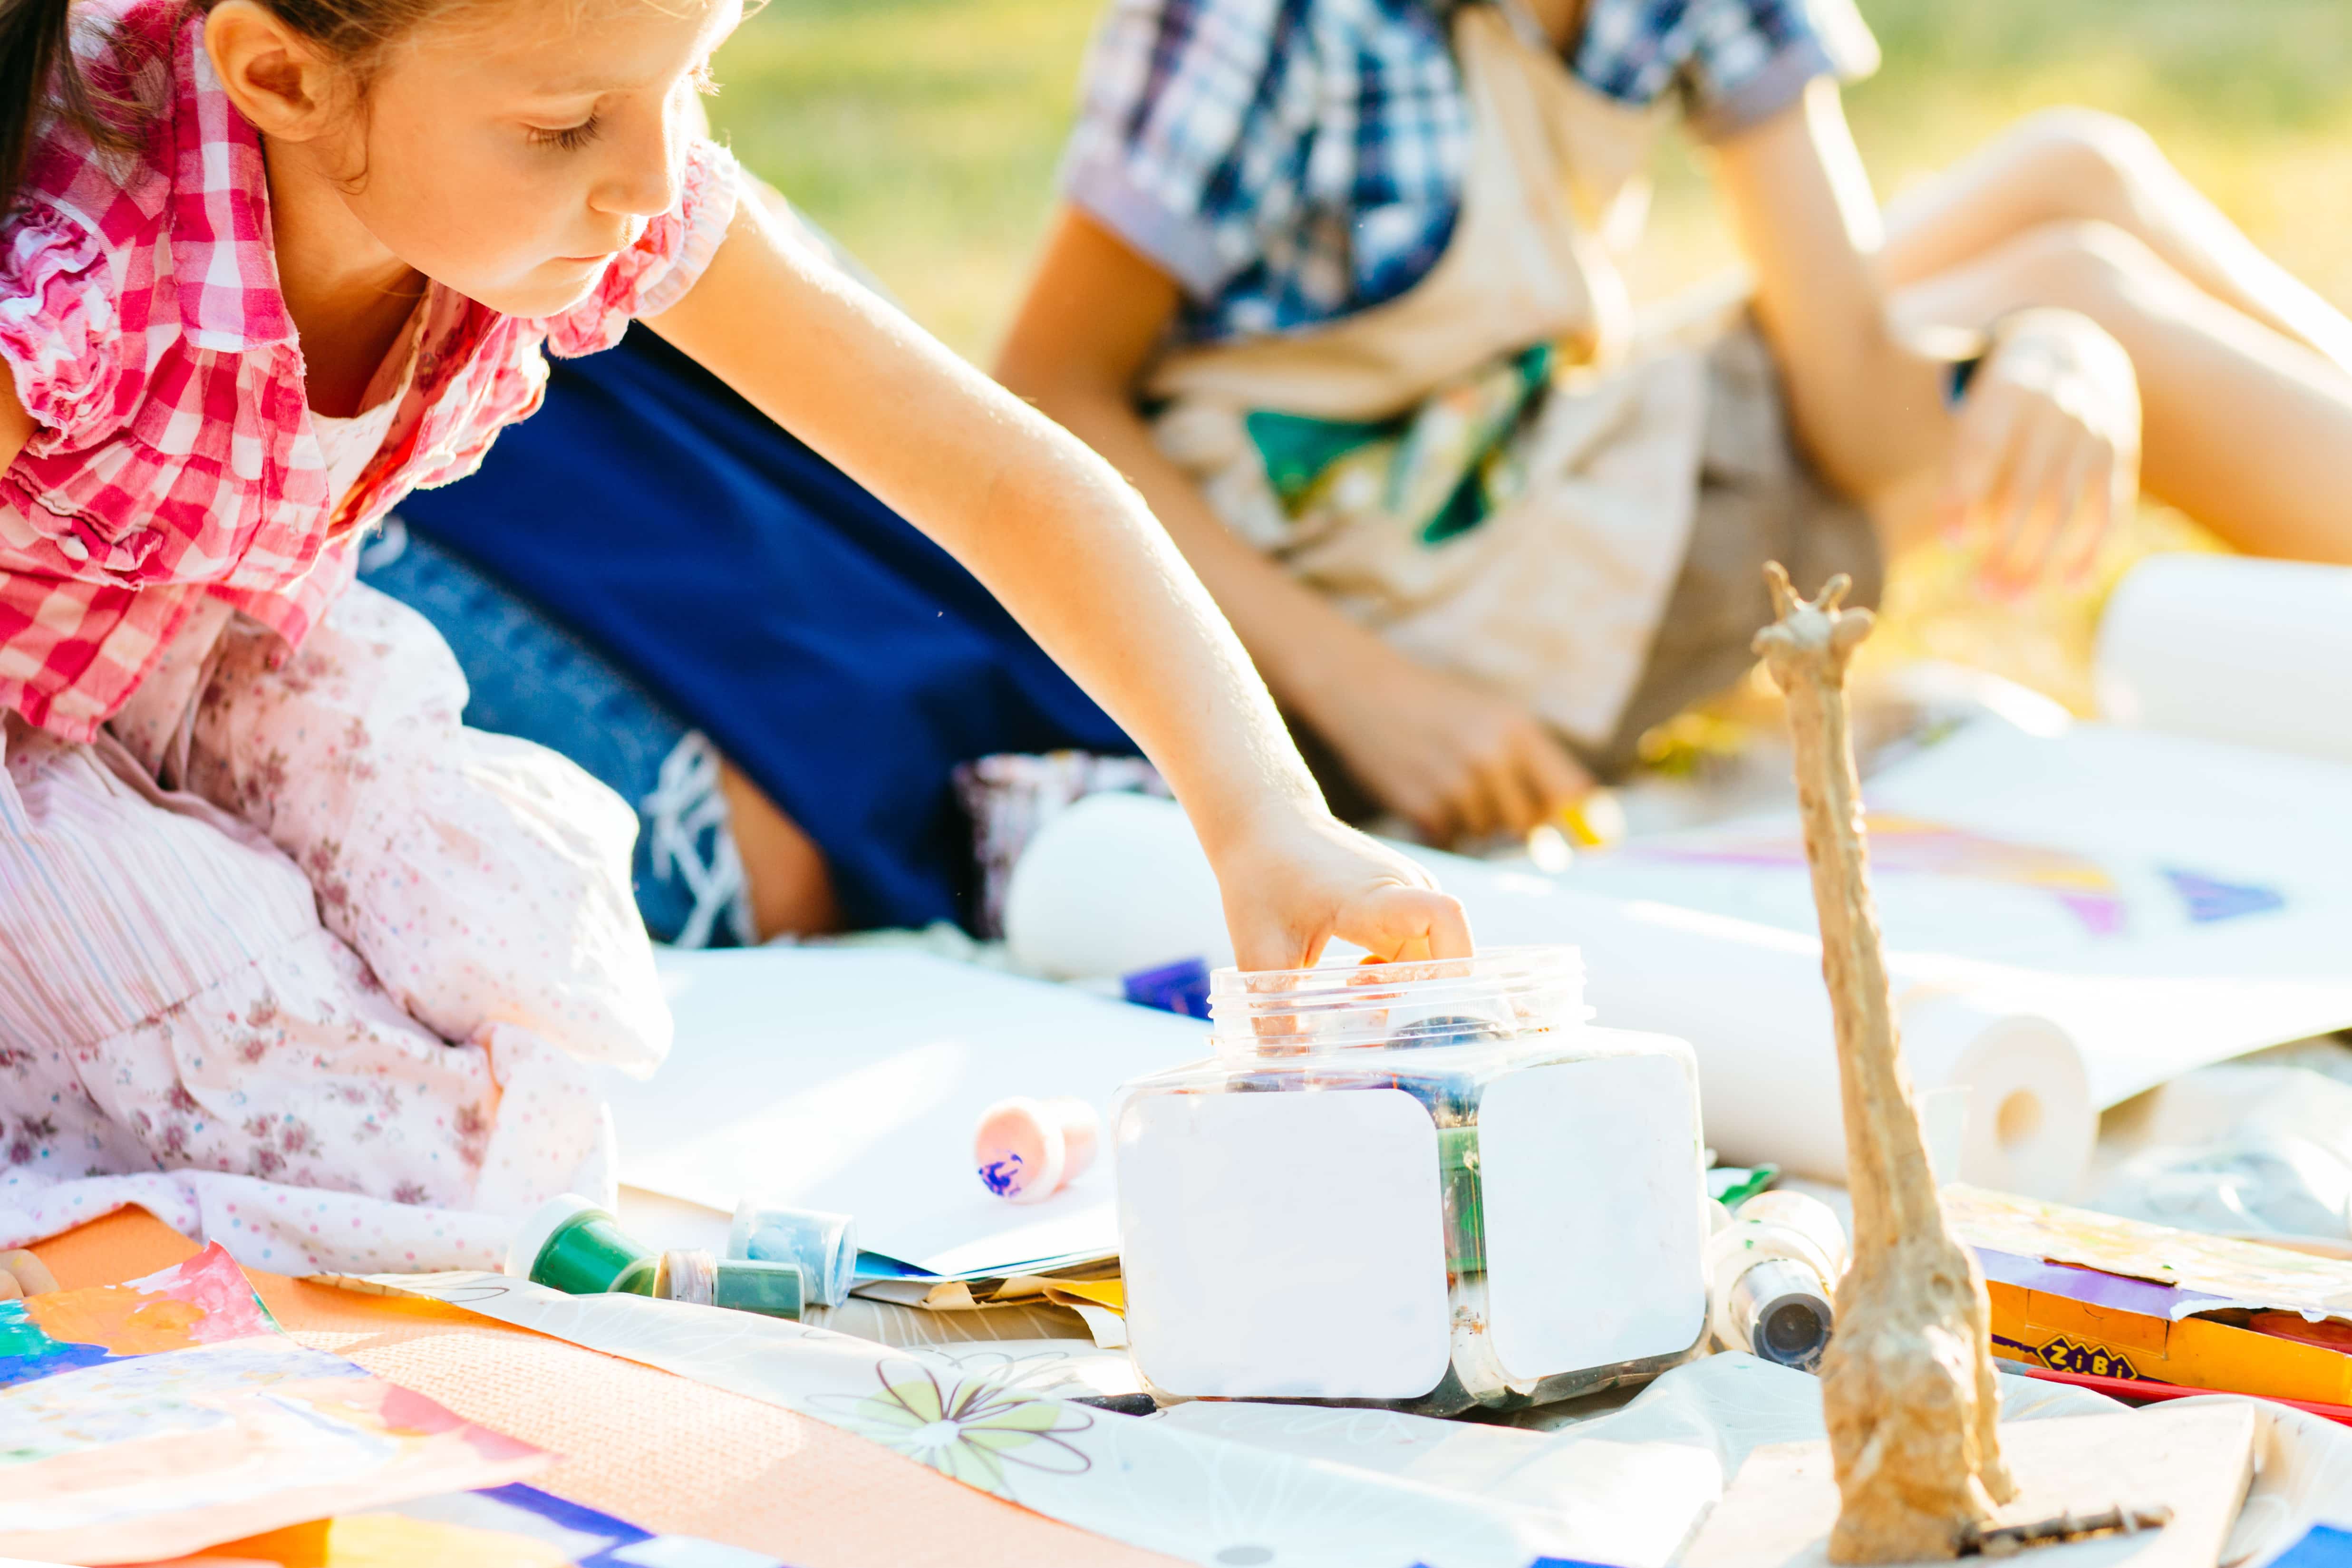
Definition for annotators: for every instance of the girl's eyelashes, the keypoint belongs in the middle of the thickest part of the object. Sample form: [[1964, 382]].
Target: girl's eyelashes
[[569, 138]]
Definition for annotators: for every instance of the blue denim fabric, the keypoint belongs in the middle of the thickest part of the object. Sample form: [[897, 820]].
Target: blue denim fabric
[[531, 679]]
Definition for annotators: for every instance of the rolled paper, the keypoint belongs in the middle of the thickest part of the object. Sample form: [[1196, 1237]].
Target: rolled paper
[[1028, 1150]]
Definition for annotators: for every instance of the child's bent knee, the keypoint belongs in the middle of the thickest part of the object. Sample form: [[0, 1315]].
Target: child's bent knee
[[2079, 264], [2088, 163]]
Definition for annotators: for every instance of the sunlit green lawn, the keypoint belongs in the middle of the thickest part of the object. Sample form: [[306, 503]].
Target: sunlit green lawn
[[924, 134]]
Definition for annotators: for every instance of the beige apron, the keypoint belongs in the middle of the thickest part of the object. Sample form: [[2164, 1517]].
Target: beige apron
[[1555, 596]]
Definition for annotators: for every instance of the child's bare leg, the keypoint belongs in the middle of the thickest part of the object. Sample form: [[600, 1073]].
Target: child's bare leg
[[791, 891], [2077, 164], [2244, 429]]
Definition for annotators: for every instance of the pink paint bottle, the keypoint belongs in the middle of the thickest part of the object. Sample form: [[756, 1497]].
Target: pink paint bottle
[[1027, 1149]]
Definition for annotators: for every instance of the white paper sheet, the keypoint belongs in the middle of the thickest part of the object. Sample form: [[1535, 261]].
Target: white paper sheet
[[851, 1081]]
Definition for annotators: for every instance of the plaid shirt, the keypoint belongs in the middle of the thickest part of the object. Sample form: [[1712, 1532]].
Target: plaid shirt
[[1292, 161], [174, 460]]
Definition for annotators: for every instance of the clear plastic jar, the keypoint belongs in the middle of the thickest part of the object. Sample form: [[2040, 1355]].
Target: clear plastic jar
[[1420, 1185]]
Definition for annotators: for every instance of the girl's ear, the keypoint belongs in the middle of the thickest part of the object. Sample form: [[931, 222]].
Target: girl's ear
[[277, 79]]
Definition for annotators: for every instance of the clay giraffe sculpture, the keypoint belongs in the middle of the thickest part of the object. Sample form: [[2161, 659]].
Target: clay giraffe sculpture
[[1907, 1380]]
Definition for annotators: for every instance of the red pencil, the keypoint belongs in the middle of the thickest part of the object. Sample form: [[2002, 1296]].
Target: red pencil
[[2143, 1389]]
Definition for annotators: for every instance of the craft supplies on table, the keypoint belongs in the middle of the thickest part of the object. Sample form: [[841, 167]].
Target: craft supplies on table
[[1179, 987], [823, 1245], [2147, 1391], [1427, 1185], [849, 1081], [570, 1245], [2099, 1296], [1027, 1149], [2073, 917], [1772, 1275], [1748, 996]]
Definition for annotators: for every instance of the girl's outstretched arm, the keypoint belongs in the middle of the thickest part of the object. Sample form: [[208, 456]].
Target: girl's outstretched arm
[[1069, 547]]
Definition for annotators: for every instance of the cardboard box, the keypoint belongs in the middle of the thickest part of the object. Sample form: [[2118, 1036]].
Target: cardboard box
[[2105, 1325]]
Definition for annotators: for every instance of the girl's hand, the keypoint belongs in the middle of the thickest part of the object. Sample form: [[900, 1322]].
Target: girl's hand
[[1455, 760], [1304, 878], [22, 1275], [2048, 450]]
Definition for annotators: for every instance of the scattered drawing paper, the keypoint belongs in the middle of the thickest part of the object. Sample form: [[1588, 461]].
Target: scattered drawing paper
[[150, 1419], [850, 1082], [505, 1527]]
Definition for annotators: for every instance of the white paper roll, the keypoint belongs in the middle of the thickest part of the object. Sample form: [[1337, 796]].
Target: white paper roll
[[2226, 648], [1115, 884], [1119, 883], [2031, 1122], [1750, 1000]]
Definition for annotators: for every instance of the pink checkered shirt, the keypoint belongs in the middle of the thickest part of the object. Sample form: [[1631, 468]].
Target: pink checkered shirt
[[175, 458]]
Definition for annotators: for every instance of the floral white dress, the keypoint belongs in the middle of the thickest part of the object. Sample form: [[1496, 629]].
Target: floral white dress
[[287, 953]]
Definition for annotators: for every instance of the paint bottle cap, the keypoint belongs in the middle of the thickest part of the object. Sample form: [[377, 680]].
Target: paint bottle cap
[[771, 1289], [1028, 1150], [1772, 1275], [1783, 1313], [538, 1227], [569, 1244]]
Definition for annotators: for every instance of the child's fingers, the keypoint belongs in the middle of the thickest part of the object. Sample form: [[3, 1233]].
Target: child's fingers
[[1267, 945], [1979, 454], [1406, 923], [2109, 500], [1559, 781], [1516, 808], [2033, 474], [30, 1275], [2076, 538], [1473, 803]]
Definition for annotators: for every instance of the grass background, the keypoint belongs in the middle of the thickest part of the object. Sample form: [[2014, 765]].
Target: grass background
[[924, 134]]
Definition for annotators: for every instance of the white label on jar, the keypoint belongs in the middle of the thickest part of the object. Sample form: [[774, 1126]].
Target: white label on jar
[[1283, 1246], [1590, 1185]]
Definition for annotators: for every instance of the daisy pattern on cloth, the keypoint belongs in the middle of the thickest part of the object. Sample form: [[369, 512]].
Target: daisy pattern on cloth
[[967, 1428]]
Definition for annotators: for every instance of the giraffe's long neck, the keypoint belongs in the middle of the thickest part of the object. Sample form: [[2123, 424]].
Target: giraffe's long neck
[[1892, 1185]]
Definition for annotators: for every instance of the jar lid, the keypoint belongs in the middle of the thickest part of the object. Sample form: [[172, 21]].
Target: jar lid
[[1497, 994]]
